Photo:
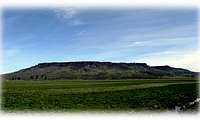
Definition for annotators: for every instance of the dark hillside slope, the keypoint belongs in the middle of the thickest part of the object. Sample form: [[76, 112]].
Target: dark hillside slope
[[97, 70], [174, 71]]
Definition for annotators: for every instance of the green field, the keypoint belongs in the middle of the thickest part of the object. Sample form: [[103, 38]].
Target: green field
[[98, 95]]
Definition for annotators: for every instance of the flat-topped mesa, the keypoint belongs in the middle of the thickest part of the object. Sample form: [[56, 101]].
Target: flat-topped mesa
[[86, 63], [71, 63], [97, 70], [75, 64]]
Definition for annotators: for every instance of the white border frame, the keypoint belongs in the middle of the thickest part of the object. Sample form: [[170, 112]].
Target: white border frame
[[96, 3]]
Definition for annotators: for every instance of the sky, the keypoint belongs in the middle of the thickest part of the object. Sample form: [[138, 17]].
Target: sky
[[144, 35]]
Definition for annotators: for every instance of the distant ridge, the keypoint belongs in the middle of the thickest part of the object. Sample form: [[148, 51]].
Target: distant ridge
[[97, 70]]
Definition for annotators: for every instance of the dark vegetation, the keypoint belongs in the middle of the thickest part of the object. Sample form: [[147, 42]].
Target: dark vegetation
[[97, 70], [97, 95]]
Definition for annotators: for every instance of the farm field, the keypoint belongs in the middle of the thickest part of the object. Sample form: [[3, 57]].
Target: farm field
[[98, 95]]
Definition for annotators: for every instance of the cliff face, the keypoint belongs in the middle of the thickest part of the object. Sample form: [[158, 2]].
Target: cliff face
[[97, 70]]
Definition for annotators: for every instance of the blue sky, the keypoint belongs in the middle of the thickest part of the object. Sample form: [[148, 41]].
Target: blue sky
[[154, 36]]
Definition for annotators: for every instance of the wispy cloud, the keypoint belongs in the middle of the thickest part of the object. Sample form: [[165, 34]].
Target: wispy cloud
[[69, 15], [156, 37], [66, 13], [182, 59], [161, 42], [82, 32]]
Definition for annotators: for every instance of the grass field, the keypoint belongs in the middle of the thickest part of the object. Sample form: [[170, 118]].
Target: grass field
[[98, 95]]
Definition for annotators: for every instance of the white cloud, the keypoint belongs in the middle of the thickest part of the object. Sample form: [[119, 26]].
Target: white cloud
[[69, 15], [66, 13], [159, 42], [189, 60]]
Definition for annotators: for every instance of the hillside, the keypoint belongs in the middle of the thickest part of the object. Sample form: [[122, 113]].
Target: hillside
[[97, 70]]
